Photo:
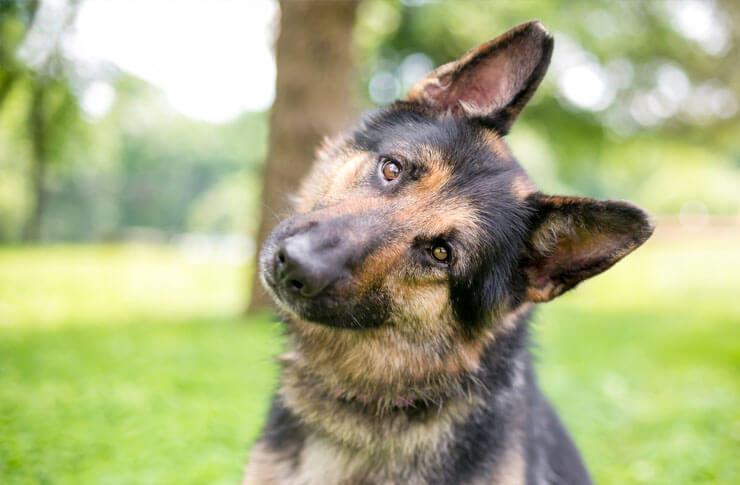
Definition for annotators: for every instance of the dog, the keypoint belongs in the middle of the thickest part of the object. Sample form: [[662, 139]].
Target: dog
[[407, 277]]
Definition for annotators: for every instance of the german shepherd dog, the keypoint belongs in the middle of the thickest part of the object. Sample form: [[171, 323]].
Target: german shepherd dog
[[407, 277]]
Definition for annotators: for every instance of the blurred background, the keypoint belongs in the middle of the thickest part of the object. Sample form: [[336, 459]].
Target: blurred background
[[146, 147]]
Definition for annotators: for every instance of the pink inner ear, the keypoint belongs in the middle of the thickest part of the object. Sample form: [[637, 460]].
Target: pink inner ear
[[489, 90], [582, 255], [480, 89], [489, 81]]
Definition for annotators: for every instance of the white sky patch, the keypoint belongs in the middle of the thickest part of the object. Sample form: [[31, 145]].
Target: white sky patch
[[45, 33], [213, 60], [673, 83], [97, 99], [585, 85], [581, 79], [694, 215], [413, 68], [384, 88], [702, 22]]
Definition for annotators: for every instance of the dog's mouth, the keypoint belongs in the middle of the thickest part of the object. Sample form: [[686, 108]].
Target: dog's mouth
[[290, 300]]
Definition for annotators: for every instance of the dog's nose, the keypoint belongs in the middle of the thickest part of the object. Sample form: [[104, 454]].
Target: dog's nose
[[302, 268]]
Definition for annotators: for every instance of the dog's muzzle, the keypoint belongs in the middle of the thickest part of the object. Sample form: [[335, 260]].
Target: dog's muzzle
[[310, 263]]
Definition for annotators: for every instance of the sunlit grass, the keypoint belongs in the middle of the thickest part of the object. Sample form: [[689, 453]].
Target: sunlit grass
[[135, 403], [130, 365], [61, 285]]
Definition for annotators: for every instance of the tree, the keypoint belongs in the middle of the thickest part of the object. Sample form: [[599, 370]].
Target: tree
[[52, 108], [52, 113], [313, 99]]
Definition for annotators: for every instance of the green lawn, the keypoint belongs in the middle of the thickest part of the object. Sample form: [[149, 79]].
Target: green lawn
[[127, 364]]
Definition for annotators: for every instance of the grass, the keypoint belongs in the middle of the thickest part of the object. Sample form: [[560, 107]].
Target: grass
[[123, 364]]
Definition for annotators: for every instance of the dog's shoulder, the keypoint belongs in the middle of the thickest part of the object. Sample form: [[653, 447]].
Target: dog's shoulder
[[551, 455]]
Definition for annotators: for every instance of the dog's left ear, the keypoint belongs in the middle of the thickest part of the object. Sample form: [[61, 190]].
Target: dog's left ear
[[493, 81], [575, 238]]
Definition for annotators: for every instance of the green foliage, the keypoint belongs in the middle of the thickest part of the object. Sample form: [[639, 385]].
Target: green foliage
[[197, 160], [119, 365], [141, 165]]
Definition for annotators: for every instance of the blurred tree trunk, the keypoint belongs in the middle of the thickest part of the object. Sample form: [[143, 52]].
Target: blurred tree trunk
[[313, 98], [37, 129], [6, 82]]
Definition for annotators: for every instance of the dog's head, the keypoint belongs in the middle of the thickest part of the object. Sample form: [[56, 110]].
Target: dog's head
[[421, 218]]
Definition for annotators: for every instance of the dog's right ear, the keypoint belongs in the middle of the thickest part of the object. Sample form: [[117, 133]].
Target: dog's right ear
[[492, 82], [575, 238]]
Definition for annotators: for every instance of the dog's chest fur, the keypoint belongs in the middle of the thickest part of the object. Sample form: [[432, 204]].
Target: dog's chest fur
[[322, 463], [475, 437]]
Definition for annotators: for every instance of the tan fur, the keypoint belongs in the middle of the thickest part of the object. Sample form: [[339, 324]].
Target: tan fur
[[439, 172], [511, 470], [543, 294], [497, 144], [267, 467], [333, 154], [522, 187], [509, 321], [344, 179]]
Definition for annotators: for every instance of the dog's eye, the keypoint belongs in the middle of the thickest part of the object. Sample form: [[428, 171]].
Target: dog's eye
[[440, 252], [391, 169]]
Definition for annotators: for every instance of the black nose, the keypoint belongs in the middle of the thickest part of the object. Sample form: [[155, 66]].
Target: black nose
[[304, 266]]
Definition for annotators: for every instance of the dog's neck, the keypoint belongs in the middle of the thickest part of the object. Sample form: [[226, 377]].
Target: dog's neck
[[332, 382], [372, 435]]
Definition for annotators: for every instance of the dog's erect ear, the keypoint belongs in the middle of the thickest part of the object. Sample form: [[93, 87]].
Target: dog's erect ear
[[492, 82], [576, 238]]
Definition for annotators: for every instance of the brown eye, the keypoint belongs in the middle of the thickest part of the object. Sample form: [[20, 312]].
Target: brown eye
[[391, 169], [440, 253]]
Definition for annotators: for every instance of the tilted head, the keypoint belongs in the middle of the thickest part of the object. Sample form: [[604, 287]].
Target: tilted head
[[418, 231]]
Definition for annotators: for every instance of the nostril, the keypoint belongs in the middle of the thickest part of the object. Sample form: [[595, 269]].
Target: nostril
[[300, 269]]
